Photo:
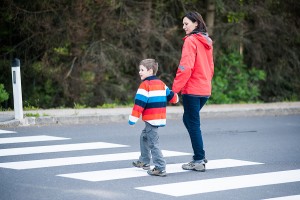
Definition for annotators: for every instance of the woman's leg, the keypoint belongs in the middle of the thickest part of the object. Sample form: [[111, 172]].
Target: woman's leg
[[191, 119]]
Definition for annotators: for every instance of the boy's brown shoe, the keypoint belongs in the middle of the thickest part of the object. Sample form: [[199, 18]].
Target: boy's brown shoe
[[157, 172], [140, 164]]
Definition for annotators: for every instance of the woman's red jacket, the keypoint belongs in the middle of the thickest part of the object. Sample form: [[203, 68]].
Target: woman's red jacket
[[196, 67]]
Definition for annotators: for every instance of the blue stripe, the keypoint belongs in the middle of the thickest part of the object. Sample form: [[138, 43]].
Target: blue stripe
[[130, 122], [168, 91], [157, 105], [141, 97], [170, 96], [157, 99], [140, 103]]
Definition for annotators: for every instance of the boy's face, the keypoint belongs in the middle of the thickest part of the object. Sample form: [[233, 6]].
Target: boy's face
[[144, 73]]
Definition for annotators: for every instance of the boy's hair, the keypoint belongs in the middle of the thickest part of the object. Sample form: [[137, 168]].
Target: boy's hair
[[150, 64]]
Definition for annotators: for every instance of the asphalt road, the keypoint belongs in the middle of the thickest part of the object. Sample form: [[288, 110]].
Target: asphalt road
[[249, 158]]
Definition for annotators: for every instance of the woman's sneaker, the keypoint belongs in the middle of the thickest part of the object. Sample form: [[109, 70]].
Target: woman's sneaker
[[157, 172], [197, 166], [140, 164]]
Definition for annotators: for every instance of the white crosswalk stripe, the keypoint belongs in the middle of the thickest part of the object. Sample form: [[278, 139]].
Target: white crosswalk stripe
[[114, 174], [58, 148], [5, 132], [226, 183], [176, 189], [294, 197], [23, 139], [32, 164]]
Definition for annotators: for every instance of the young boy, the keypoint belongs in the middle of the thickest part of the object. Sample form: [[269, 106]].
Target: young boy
[[150, 102]]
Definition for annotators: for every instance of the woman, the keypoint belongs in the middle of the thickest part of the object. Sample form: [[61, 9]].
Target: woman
[[193, 80]]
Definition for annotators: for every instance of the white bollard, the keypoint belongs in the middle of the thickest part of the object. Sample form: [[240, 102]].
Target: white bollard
[[17, 89]]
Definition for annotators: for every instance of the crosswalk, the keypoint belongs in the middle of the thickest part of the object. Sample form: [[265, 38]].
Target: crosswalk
[[39, 138], [58, 148], [5, 132], [227, 183], [77, 160], [292, 197], [113, 174], [173, 189]]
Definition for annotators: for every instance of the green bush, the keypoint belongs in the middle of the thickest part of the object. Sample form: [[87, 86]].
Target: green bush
[[3, 94], [233, 82]]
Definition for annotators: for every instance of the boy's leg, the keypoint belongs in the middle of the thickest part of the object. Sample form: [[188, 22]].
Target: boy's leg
[[144, 147], [153, 142]]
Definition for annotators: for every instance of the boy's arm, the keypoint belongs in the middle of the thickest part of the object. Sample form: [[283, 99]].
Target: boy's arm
[[172, 97], [140, 102]]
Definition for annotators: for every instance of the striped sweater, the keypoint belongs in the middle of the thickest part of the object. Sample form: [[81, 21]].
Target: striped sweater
[[151, 101]]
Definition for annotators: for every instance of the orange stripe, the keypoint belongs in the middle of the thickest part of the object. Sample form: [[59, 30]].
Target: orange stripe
[[136, 113], [144, 86], [137, 108], [154, 116], [156, 87], [152, 85], [150, 111]]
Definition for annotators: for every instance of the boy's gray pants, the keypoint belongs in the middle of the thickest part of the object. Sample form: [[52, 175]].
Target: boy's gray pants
[[149, 145]]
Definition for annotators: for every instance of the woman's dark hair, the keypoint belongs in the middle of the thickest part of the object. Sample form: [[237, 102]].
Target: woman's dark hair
[[196, 17]]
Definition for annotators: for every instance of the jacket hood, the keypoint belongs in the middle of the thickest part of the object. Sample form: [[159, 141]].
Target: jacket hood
[[203, 38]]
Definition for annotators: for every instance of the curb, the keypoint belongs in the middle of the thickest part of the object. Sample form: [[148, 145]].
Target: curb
[[75, 119], [10, 123], [80, 116]]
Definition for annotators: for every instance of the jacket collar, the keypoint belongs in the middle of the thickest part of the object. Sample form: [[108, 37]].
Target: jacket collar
[[150, 78], [195, 32]]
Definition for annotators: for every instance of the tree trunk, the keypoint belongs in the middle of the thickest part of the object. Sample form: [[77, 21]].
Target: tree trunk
[[210, 16], [146, 24]]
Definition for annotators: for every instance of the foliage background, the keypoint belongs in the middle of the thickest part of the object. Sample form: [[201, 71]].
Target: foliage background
[[85, 52]]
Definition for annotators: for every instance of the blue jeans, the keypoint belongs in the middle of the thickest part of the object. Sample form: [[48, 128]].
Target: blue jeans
[[191, 119], [149, 145]]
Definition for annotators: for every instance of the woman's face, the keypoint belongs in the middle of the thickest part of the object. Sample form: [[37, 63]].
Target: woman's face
[[188, 25]]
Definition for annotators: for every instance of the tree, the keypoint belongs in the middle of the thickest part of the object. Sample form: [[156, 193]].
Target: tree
[[3, 94], [87, 52], [210, 16], [267, 35]]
